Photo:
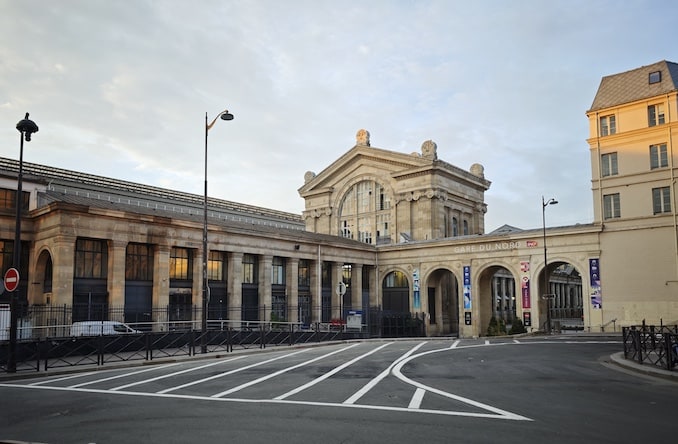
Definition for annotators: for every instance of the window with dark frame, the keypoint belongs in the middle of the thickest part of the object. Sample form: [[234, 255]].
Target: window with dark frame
[[278, 271], [91, 258], [250, 273], [216, 266], [139, 262], [181, 264], [655, 77]]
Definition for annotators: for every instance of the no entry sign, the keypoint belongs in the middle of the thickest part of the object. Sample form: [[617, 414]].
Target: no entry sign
[[11, 279]]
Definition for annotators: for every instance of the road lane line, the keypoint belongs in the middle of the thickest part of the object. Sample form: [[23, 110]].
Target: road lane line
[[169, 375], [330, 373], [230, 372], [279, 372], [397, 371], [417, 398], [124, 375], [370, 385], [48, 381], [455, 343]]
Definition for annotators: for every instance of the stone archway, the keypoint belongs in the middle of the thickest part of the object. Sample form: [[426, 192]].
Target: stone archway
[[498, 300], [564, 307], [42, 292], [442, 291]]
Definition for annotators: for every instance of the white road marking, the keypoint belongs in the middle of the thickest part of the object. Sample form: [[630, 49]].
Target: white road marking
[[370, 385], [230, 372], [499, 412], [279, 372], [169, 375], [455, 343], [417, 398], [124, 375], [328, 374]]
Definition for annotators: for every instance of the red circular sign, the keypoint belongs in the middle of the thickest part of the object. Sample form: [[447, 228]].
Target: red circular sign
[[11, 279]]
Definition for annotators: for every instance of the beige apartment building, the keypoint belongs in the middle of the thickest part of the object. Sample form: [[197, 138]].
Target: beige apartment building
[[383, 233]]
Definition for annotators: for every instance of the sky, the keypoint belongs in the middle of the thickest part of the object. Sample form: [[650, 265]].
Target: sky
[[121, 89]]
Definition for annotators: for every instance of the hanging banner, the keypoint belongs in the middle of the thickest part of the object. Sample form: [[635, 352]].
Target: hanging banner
[[525, 284], [594, 274], [467, 287], [415, 288]]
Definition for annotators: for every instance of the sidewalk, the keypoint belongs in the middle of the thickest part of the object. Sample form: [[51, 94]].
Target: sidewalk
[[649, 370]]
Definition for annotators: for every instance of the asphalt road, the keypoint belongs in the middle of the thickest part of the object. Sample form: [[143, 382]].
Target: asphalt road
[[530, 390]]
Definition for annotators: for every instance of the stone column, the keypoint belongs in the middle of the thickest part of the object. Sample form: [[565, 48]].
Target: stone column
[[357, 286], [161, 256], [234, 286], [292, 288], [316, 290], [117, 250], [63, 267], [337, 306], [265, 266]]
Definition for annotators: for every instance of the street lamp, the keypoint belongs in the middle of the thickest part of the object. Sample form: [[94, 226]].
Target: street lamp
[[546, 295], [26, 127], [224, 115]]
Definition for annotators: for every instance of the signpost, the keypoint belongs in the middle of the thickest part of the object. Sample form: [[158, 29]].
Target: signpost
[[11, 279]]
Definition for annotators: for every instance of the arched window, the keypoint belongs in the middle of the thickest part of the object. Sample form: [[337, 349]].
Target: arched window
[[365, 213]]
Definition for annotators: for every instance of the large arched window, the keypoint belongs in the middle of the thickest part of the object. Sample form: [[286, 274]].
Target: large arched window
[[365, 213]]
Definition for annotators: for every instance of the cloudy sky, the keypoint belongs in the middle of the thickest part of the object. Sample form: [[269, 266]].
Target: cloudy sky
[[121, 89]]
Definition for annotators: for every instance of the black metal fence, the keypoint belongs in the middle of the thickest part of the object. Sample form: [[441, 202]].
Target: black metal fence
[[46, 340], [653, 345]]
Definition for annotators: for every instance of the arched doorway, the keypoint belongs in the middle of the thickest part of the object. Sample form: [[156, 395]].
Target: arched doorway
[[443, 303], [561, 300]]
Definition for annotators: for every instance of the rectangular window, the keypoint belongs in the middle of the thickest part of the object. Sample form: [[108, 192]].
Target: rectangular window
[[661, 200], [611, 206], [609, 164], [658, 156], [8, 202], [278, 271], [250, 274], [304, 273], [139, 262], [655, 77], [181, 264], [91, 258], [608, 125], [655, 115], [216, 266]]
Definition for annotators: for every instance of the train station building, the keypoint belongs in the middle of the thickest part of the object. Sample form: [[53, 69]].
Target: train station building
[[383, 233]]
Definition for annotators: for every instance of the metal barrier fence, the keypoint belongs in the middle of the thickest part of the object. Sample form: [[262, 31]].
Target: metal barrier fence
[[649, 344], [54, 352]]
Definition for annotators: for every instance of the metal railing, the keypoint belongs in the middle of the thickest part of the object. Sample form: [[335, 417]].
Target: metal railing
[[653, 345]]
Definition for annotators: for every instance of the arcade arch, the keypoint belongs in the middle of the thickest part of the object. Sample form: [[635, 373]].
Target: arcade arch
[[442, 294], [496, 297], [43, 277]]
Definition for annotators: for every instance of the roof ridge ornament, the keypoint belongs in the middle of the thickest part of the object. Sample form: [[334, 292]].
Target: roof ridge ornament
[[362, 137]]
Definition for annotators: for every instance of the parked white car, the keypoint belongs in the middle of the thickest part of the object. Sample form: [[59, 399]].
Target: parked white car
[[99, 328]]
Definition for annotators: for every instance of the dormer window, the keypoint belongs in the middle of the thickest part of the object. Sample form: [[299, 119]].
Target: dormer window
[[655, 77]]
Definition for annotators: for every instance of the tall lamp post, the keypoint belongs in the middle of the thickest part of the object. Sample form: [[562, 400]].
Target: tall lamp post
[[546, 295], [26, 128], [224, 115]]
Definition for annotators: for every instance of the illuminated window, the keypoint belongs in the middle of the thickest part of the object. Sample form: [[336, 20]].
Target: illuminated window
[[181, 264]]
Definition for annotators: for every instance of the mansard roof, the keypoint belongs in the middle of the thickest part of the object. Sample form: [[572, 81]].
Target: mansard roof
[[629, 86]]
